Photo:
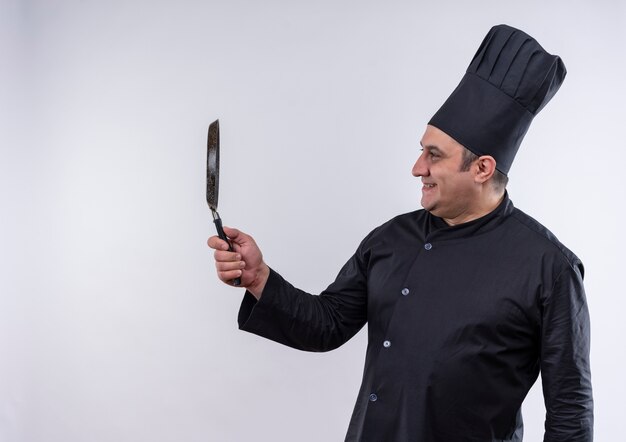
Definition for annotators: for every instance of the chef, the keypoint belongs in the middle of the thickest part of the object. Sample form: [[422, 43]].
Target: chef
[[467, 300]]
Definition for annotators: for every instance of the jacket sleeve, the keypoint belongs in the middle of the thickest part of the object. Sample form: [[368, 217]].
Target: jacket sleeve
[[565, 372], [308, 322]]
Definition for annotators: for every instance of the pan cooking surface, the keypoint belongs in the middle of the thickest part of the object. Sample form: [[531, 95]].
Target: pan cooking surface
[[213, 164]]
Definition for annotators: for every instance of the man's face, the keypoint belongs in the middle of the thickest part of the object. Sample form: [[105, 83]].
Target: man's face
[[447, 192]]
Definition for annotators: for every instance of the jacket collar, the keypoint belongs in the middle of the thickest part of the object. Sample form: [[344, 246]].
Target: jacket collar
[[437, 228]]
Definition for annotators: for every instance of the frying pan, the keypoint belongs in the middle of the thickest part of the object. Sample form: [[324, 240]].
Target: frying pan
[[212, 182]]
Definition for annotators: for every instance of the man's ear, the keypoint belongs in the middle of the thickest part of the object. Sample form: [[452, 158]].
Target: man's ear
[[486, 167]]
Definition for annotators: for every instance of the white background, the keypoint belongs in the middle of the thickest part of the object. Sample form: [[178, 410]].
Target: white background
[[113, 325]]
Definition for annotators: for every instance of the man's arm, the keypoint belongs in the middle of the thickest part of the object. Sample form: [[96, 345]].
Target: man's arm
[[276, 310], [565, 371]]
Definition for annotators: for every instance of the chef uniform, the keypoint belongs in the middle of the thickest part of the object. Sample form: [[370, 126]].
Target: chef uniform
[[461, 319]]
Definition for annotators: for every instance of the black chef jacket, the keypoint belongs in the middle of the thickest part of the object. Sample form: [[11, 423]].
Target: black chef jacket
[[461, 319]]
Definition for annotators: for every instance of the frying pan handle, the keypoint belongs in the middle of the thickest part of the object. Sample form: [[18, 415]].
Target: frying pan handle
[[220, 232]]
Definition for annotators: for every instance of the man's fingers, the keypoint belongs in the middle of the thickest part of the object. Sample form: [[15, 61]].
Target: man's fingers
[[216, 243], [229, 275], [246, 257], [233, 233], [236, 238], [228, 266], [223, 256]]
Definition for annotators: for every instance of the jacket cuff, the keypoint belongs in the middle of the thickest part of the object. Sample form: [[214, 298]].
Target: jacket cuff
[[251, 310]]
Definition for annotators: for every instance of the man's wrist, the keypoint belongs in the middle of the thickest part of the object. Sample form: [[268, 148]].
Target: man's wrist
[[256, 288]]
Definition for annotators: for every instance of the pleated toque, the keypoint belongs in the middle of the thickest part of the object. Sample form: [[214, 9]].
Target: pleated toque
[[510, 79]]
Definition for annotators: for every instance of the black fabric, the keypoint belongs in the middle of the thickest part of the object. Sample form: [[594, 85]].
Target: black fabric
[[487, 305], [509, 80]]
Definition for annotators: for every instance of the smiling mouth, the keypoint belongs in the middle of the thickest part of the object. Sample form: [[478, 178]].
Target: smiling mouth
[[428, 186]]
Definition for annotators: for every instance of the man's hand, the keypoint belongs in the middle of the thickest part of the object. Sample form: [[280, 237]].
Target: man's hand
[[246, 262]]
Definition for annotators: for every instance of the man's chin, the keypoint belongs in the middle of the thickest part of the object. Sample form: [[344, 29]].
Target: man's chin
[[429, 206]]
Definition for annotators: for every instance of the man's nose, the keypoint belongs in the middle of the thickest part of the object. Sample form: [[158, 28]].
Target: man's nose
[[419, 168]]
